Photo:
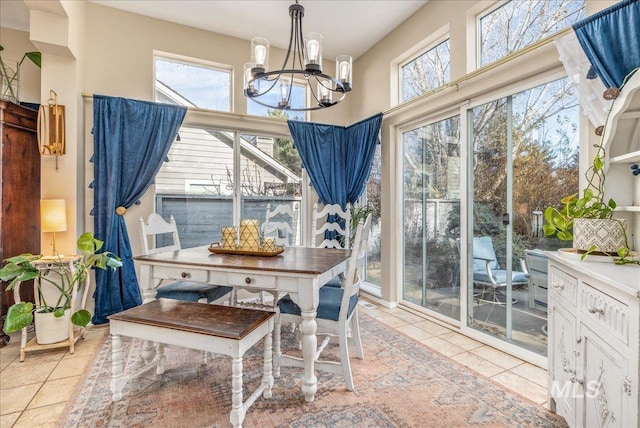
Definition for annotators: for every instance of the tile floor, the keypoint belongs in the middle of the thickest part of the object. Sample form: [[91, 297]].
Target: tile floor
[[35, 392]]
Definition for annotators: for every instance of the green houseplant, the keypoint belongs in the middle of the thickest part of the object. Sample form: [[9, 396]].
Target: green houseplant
[[22, 268], [592, 205], [9, 76]]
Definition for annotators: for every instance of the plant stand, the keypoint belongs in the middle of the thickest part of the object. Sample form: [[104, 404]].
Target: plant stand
[[75, 333]]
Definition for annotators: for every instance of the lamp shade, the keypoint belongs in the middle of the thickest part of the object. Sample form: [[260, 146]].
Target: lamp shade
[[53, 215]]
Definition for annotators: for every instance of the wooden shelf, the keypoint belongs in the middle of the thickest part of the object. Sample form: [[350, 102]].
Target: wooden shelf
[[626, 158], [33, 345], [632, 209]]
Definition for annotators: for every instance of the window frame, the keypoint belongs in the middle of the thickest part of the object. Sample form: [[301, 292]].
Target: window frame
[[196, 62]]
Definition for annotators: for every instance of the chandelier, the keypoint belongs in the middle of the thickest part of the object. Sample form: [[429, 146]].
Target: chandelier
[[304, 62]]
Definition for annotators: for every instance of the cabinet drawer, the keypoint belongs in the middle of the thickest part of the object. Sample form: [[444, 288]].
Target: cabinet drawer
[[265, 282], [196, 275], [563, 284], [604, 314]]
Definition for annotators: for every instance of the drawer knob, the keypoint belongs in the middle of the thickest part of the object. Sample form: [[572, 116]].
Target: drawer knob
[[247, 280], [186, 275], [558, 286], [594, 310]]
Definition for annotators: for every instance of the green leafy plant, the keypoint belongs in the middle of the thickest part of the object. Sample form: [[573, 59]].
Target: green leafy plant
[[23, 268], [559, 222], [35, 57]]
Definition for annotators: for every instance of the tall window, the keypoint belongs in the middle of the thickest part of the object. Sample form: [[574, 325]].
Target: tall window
[[374, 189], [519, 23], [203, 182], [298, 100], [426, 72], [192, 84]]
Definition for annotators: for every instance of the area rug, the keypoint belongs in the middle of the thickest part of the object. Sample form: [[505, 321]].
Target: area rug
[[400, 383]]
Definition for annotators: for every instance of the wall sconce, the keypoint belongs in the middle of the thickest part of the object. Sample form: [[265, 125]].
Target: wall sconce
[[51, 126], [53, 217]]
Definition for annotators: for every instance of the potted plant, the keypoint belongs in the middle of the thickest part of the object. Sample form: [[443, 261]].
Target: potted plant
[[579, 217], [24, 267], [10, 77]]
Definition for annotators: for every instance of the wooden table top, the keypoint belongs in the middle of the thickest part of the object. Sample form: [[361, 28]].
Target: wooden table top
[[213, 320], [303, 260]]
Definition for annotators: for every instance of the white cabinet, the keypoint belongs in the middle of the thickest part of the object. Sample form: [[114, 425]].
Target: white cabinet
[[594, 334], [621, 140]]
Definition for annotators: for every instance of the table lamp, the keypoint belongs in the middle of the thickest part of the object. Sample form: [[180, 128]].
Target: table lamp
[[53, 217]]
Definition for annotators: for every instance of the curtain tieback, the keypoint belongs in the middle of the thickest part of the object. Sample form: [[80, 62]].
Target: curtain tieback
[[121, 210]]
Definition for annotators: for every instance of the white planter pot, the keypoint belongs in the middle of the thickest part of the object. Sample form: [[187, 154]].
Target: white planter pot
[[608, 235], [50, 329]]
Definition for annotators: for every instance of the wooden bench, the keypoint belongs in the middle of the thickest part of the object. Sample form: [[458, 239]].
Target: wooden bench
[[211, 328]]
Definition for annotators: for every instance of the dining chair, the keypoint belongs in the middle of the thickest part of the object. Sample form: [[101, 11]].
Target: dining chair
[[337, 314], [328, 231], [282, 222], [153, 233]]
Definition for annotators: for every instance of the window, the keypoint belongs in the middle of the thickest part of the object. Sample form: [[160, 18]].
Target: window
[[426, 72], [198, 184], [374, 190], [298, 100], [193, 85], [519, 23]]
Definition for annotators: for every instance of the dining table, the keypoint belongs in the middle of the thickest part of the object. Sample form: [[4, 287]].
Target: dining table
[[298, 271]]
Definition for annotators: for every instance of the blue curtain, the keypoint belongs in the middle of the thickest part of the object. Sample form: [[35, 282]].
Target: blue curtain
[[337, 158], [611, 41], [130, 141]]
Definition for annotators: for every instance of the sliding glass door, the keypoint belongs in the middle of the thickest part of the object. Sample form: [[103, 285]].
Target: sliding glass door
[[431, 159], [524, 150]]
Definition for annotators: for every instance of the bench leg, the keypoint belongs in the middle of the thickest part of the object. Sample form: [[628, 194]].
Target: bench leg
[[267, 377], [117, 356], [277, 351], [237, 406], [161, 358]]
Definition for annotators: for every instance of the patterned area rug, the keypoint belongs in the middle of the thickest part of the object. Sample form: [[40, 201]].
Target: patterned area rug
[[400, 383]]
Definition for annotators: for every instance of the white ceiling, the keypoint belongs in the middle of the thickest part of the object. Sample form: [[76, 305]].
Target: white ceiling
[[348, 26]]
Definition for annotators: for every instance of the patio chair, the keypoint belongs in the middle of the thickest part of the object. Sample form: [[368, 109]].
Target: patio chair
[[488, 274], [537, 269], [156, 227], [337, 313]]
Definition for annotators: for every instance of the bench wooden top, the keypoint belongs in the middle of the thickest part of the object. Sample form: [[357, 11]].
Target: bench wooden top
[[212, 320]]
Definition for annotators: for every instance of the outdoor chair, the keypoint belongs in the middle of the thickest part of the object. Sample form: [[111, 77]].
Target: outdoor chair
[[537, 269], [488, 274]]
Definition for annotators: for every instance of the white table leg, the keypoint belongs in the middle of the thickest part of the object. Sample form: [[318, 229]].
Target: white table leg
[[267, 377], [309, 344], [148, 352], [237, 406], [117, 356], [161, 358]]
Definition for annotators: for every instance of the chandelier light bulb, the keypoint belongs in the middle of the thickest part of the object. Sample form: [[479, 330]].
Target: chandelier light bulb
[[303, 62]]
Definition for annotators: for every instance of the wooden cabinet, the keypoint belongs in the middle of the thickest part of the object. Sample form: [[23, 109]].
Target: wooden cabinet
[[594, 335], [20, 190]]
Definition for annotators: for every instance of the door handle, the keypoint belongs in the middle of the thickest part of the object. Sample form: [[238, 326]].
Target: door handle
[[505, 219]]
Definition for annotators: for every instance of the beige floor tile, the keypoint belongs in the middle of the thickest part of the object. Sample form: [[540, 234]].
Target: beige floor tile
[[24, 373], [535, 374], [18, 398], [7, 359], [414, 332], [392, 321], [432, 327], [408, 317], [444, 347], [478, 364], [44, 417], [71, 365], [522, 386], [497, 357], [54, 391], [7, 421], [461, 341]]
